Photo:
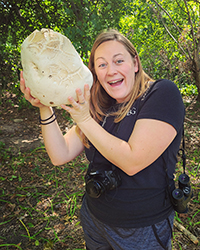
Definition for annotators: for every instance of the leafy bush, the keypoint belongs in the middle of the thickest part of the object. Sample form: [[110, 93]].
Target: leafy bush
[[188, 90]]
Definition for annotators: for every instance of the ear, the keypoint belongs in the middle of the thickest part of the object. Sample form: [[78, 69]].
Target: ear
[[136, 64]]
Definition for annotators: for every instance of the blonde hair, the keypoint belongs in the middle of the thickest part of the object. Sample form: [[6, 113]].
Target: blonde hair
[[100, 101]]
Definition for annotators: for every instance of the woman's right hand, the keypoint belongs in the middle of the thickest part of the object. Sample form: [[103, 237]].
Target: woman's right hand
[[27, 94]]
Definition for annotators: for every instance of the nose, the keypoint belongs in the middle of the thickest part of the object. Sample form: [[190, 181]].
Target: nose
[[111, 69]]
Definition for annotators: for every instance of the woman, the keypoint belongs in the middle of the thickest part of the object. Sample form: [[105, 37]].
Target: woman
[[131, 130]]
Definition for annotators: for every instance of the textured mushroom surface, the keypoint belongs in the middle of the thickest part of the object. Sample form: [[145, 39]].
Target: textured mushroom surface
[[52, 68]]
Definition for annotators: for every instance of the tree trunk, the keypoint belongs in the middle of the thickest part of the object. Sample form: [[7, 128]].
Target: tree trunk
[[198, 96], [197, 80]]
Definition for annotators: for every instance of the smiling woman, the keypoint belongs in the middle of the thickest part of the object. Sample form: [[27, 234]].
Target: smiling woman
[[115, 69], [130, 128]]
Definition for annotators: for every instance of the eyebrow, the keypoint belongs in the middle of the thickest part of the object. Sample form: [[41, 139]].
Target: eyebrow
[[100, 57]]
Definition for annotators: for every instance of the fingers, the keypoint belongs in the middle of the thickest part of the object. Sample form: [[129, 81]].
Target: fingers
[[22, 82], [82, 98], [24, 90], [67, 108], [27, 93], [87, 92], [80, 109], [34, 101]]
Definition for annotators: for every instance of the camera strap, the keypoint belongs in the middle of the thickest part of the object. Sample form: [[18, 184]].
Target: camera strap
[[183, 156], [94, 149]]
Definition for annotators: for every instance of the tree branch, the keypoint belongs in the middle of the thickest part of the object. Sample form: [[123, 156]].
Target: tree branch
[[177, 2], [165, 26], [191, 24], [186, 232], [168, 15], [189, 120]]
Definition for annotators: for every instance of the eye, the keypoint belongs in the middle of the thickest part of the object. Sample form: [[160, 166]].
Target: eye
[[119, 61], [102, 65]]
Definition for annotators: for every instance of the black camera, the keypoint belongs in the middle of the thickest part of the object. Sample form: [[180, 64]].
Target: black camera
[[182, 195], [99, 181]]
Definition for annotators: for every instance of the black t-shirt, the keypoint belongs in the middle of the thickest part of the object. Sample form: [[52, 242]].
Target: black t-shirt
[[142, 199]]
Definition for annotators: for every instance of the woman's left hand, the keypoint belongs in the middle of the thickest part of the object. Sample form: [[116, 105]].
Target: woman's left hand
[[79, 110]]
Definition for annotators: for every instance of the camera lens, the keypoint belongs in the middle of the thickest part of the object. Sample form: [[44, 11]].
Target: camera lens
[[93, 188], [177, 194]]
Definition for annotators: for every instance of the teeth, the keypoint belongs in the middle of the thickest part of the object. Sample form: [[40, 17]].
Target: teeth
[[115, 81]]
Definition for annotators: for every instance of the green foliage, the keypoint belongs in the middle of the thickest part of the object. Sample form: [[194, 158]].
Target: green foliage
[[18, 20], [165, 54], [189, 90], [79, 20], [143, 22]]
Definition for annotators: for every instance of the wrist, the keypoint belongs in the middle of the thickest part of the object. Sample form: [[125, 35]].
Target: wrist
[[47, 115], [85, 123]]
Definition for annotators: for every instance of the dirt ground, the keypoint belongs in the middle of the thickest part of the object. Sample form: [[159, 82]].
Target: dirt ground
[[21, 134]]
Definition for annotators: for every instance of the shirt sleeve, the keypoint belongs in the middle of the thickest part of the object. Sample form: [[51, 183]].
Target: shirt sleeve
[[164, 103]]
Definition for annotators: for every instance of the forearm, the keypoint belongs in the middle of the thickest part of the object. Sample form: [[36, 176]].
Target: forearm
[[54, 141]]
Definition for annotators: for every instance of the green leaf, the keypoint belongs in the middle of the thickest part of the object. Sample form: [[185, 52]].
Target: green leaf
[[37, 243], [30, 224]]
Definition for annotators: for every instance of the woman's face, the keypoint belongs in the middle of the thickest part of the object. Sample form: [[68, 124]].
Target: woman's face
[[115, 69]]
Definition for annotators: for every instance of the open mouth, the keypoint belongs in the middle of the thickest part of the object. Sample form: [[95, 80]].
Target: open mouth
[[116, 82]]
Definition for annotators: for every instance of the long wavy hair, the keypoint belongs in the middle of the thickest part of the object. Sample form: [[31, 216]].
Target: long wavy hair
[[100, 101]]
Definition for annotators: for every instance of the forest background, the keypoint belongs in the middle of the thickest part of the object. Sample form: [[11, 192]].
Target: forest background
[[40, 202]]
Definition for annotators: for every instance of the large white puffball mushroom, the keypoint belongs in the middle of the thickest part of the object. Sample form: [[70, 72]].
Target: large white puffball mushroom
[[52, 68]]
